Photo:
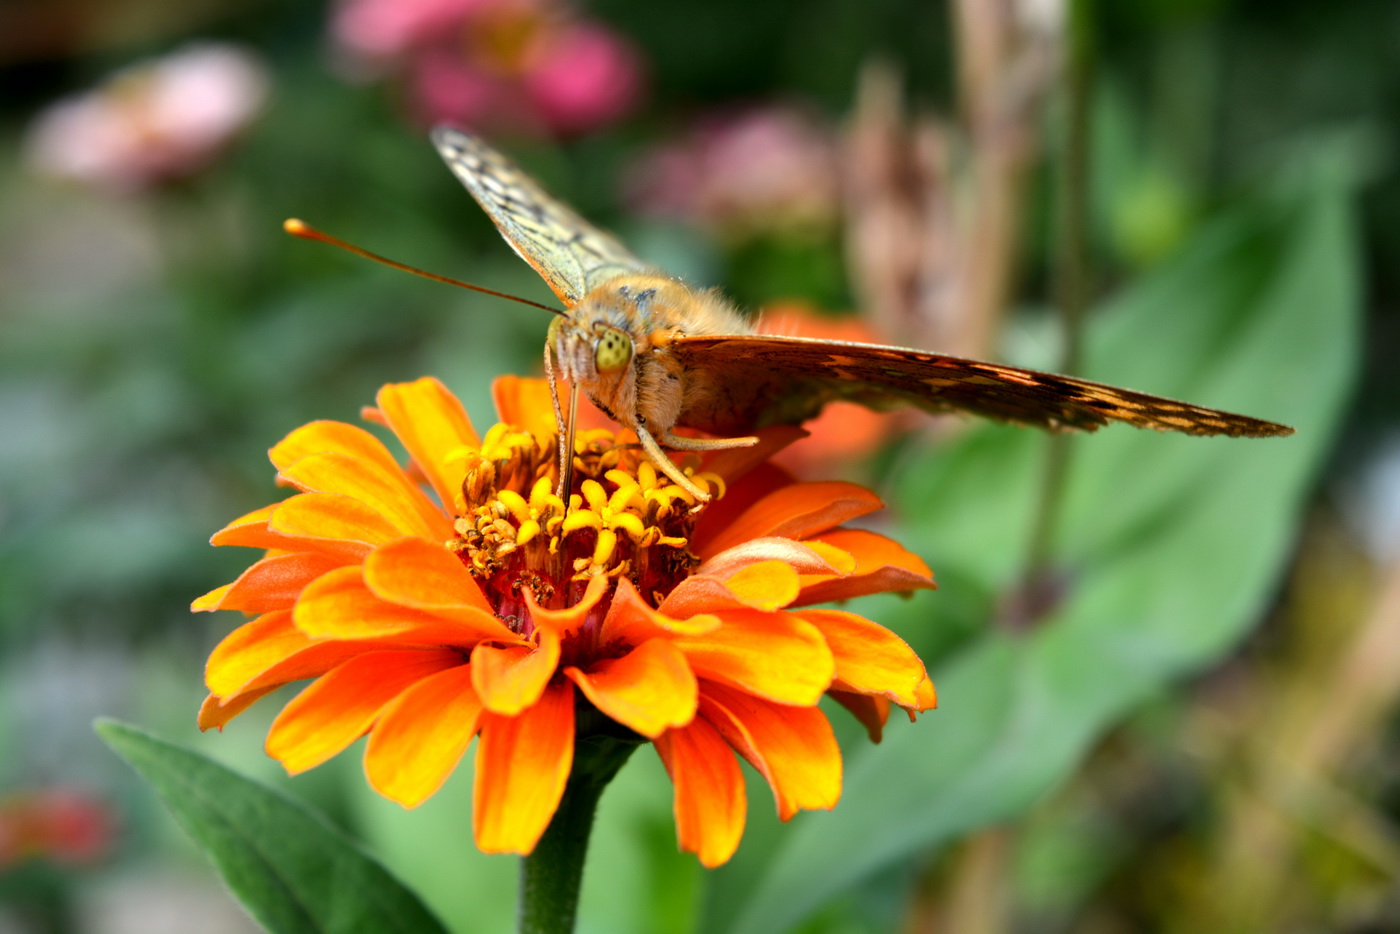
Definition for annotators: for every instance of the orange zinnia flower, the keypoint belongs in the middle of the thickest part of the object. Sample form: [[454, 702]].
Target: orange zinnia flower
[[488, 609]]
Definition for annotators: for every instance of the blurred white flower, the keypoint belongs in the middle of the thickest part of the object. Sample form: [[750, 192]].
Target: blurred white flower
[[152, 122], [1371, 501]]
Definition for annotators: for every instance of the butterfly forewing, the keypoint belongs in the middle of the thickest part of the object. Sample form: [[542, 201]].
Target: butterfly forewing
[[754, 380], [572, 255]]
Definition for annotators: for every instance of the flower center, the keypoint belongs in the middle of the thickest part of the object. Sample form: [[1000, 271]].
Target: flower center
[[624, 518]]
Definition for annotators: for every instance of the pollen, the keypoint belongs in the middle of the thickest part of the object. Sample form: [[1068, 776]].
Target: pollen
[[624, 518]]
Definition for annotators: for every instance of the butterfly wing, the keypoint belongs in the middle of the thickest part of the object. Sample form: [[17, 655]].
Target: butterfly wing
[[754, 380], [570, 254]]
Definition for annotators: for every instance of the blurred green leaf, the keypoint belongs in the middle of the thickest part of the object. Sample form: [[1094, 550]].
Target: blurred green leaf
[[1169, 545], [292, 871]]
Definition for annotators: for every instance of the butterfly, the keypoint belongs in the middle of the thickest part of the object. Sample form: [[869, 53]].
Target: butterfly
[[654, 353]]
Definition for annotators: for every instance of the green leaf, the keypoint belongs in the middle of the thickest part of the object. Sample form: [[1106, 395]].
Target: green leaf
[[1170, 545], [291, 870]]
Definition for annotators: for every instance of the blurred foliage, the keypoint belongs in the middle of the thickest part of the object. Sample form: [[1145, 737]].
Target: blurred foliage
[[1244, 228]]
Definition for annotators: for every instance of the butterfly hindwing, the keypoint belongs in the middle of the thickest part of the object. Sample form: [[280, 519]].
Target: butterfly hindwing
[[572, 255], [754, 380]]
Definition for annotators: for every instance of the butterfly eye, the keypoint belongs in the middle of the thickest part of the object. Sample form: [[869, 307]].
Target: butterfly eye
[[613, 351]]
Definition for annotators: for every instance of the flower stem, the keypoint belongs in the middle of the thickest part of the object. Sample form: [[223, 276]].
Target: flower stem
[[1072, 266], [550, 876]]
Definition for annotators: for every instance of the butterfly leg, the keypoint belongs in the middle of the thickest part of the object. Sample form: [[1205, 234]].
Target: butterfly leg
[[677, 443], [565, 428], [668, 466]]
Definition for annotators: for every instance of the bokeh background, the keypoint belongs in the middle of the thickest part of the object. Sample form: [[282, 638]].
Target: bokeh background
[[1168, 666]]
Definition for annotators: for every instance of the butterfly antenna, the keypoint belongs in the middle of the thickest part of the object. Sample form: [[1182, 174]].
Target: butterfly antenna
[[305, 231]]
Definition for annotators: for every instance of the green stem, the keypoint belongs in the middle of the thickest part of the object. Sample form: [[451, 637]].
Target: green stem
[[550, 876], [1072, 269]]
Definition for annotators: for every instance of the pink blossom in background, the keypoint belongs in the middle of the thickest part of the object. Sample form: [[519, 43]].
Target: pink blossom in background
[[152, 122], [60, 824], [523, 66], [766, 170]]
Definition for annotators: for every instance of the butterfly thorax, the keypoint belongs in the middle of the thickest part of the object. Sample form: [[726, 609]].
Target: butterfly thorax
[[615, 346]]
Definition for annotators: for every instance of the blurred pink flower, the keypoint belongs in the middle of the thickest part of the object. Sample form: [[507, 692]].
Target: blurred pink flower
[[769, 169], [151, 122], [526, 66], [61, 824]]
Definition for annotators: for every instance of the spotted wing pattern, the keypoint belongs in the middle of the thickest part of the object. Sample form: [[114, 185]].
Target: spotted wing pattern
[[760, 380], [570, 254]]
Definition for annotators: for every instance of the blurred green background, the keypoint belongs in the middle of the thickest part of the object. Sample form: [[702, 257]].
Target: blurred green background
[[1167, 680]]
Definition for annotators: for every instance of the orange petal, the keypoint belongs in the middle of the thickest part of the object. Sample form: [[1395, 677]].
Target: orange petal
[[800, 510], [269, 652], [250, 650], [419, 574], [869, 658], [569, 620], [329, 521], [650, 689], [248, 531], [340, 606], [522, 765], [710, 804], [872, 712], [631, 621], [270, 584], [792, 747], [767, 585], [327, 437], [797, 555], [420, 736], [738, 462], [388, 492], [511, 678], [337, 708], [773, 655], [525, 403], [882, 566], [215, 713], [431, 423]]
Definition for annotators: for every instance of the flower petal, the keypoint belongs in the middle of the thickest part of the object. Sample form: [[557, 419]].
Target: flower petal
[[882, 565], [733, 463], [509, 679], [525, 403], [337, 708], [272, 583], [872, 712], [797, 511], [216, 712], [325, 437], [631, 621], [792, 747], [565, 622], [328, 521], [248, 531], [798, 555], [650, 689], [767, 585], [431, 423], [420, 736], [419, 574], [522, 765], [710, 803], [774, 655], [339, 606], [388, 492], [869, 658]]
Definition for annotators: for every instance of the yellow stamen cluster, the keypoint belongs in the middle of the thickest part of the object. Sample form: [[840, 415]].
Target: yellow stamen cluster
[[624, 517]]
